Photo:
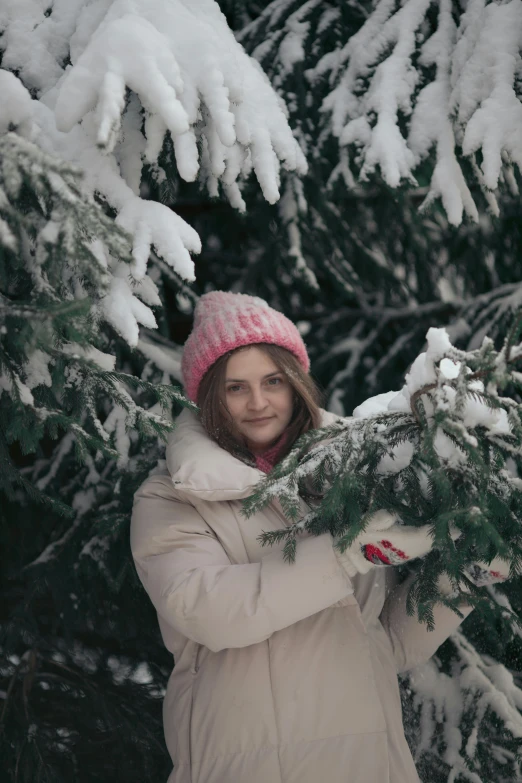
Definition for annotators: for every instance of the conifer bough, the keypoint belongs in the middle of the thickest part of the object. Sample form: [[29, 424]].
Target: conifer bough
[[443, 451]]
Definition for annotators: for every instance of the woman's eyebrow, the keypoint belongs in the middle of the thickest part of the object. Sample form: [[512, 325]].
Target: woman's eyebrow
[[241, 380]]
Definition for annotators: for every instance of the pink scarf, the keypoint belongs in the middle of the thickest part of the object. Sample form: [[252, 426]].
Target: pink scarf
[[268, 459]]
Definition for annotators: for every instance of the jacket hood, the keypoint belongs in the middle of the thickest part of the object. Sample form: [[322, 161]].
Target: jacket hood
[[198, 466]]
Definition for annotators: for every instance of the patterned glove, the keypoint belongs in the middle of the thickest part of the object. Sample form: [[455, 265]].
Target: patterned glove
[[384, 542], [482, 574]]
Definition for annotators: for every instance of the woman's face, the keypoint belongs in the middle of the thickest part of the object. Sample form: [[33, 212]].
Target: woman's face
[[258, 396]]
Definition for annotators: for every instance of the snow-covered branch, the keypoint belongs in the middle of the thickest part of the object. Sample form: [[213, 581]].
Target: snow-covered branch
[[194, 80], [441, 450], [411, 89], [445, 703], [150, 81], [471, 102]]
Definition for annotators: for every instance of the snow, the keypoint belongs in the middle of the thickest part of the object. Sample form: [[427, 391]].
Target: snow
[[104, 361], [476, 683], [125, 51], [374, 405], [116, 424], [165, 358], [468, 99], [34, 44], [430, 371], [494, 126], [291, 48], [16, 389], [291, 204], [430, 124], [124, 310], [141, 69], [152, 225], [37, 370], [449, 368], [398, 459], [17, 106], [221, 89]]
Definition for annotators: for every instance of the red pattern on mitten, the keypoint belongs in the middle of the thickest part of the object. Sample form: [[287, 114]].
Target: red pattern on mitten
[[384, 553], [384, 542]]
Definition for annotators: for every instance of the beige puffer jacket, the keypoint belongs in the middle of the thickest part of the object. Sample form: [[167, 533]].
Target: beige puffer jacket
[[284, 673]]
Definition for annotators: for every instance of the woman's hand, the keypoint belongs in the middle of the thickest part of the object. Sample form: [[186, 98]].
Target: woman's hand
[[483, 574], [384, 542], [480, 573]]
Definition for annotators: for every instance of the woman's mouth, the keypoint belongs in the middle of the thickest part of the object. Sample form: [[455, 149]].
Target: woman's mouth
[[259, 422]]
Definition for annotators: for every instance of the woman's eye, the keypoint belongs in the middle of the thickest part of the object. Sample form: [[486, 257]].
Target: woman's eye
[[275, 381], [234, 388]]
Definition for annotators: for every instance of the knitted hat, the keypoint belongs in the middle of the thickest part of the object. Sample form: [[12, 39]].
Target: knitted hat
[[224, 321]]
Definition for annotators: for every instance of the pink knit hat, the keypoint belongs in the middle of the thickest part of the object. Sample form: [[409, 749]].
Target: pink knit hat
[[224, 321]]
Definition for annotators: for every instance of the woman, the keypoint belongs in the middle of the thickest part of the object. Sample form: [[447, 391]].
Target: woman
[[284, 673]]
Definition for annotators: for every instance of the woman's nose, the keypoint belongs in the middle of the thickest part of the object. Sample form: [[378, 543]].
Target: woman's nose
[[257, 399]]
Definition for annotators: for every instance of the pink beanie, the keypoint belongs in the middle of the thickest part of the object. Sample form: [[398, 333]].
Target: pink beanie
[[224, 321]]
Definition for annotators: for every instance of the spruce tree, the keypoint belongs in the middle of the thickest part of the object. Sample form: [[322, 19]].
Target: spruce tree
[[88, 388], [350, 258], [78, 434], [385, 272]]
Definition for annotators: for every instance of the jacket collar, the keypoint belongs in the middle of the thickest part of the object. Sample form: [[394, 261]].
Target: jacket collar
[[199, 467]]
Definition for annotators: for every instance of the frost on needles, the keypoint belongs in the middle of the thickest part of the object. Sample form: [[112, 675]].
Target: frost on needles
[[443, 451]]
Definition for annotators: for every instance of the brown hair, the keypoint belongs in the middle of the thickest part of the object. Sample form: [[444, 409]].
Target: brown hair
[[216, 418]]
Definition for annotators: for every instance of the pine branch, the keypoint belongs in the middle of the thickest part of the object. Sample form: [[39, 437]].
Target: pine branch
[[438, 457]]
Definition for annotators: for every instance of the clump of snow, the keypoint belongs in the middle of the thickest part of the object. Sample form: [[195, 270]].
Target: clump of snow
[[149, 46], [432, 371], [485, 95], [398, 458], [477, 683], [17, 389], [37, 370], [124, 310], [155, 225], [16, 113], [374, 405], [104, 361], [166, 358]]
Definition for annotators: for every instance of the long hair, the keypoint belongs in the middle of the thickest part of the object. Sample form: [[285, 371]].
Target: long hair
[[216, 418]]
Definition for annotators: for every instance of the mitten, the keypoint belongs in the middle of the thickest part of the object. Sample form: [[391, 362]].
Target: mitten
[[479, 573], [384, 542], [482, 574]]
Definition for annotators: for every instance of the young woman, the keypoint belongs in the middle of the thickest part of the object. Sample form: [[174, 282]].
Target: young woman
[[284, 673]]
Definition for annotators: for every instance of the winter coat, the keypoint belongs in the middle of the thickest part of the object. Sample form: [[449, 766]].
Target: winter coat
[[284, 673]]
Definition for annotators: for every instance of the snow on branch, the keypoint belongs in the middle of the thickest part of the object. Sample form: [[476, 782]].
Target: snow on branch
[[17, 110], [194, 80], [412, 90], [478, 684], [440, 451], [148, 78], [470, 103]]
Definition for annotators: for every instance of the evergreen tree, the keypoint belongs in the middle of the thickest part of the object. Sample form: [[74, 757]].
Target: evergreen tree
[[88, 390], [384, 273], [78, 434], [345, 252]]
